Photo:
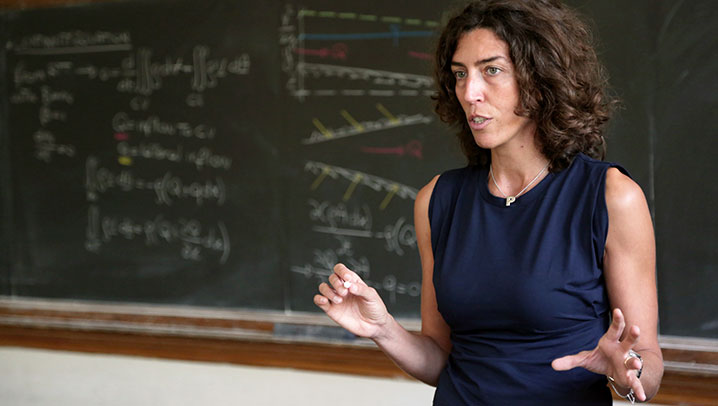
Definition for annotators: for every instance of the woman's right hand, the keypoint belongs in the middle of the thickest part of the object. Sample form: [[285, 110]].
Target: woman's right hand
[[359, 309]]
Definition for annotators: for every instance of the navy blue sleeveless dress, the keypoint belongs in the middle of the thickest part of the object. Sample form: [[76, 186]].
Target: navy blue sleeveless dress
[[520, 286]]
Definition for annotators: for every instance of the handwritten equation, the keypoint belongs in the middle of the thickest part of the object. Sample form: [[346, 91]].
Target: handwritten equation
[[172, 164], [389, 286], [340, 220], [166, 188], [154, 125], [193, 236], [136, 73], [201, 158]]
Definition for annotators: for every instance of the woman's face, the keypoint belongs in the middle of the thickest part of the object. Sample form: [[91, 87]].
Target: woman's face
[[487, 90]]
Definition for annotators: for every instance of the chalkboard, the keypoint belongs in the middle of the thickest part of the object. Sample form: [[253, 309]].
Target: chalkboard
[[662, 60], [136, 176], [217, 154], [228, 153]]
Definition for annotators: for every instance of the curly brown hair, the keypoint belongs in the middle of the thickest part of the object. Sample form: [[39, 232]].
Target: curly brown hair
[[562, 84]]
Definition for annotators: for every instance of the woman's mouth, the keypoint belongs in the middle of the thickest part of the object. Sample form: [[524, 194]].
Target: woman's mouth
[[478, 122]]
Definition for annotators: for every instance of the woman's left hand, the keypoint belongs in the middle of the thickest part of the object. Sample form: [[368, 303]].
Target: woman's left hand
[[610, 357]]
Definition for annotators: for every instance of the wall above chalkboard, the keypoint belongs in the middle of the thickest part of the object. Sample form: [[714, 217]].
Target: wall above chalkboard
[[227, 154]]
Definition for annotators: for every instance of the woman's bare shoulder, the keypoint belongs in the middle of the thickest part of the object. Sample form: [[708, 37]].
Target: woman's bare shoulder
[[424, 195]]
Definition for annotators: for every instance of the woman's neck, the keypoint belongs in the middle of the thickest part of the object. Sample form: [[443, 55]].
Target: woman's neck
[[514, 166]]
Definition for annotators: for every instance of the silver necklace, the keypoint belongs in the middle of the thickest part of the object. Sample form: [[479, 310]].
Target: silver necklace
[[511, 199]]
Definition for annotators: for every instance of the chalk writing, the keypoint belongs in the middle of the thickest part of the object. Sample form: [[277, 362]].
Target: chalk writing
[[50, 95], [46, 147], [339, 215], [39, 43], [47, 115], [323, 264], [167, 188], [206, 157], [397, 235], [23, 76], [324, 260], [200, 158], [412, 148], [137, 73], [193, 236], [152, 150], [336, 51], [24, 95], [288, 43], [393, 287], [154, 125], [48, 69]]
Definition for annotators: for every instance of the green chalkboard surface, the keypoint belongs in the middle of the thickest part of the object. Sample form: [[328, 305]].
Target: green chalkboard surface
[[217, 154], [142, 145], [228, 153]]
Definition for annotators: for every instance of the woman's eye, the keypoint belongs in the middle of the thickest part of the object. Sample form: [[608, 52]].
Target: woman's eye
[[460, 74], [492, 70]]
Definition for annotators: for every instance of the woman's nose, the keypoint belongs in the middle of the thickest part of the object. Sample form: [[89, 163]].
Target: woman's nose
[[474, 88]]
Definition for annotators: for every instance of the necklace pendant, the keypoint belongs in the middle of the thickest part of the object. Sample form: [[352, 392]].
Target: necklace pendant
[[510, 200]]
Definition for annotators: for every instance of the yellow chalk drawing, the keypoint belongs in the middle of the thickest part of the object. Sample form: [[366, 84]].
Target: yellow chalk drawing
[[351, 120], [350, 189], [387, 199], [124, 160], [318, 181], [321, 128], [386, 113]]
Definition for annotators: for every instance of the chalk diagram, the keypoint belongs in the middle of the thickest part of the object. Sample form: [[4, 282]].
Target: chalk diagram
[[336, 58]]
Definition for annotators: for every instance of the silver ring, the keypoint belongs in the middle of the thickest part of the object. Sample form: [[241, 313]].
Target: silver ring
[[633, 354]]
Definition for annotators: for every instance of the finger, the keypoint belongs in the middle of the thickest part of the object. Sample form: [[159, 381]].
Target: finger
[[631, 340], [364, 292], [348, 279], [639, 391], [329, 293], [633, 364], [569, 361], [637, 386], [563, 363], [615, 331], [322, 302], [346, 274], [337, 284]]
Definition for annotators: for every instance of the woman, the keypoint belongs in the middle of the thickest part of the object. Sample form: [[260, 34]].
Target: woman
[[527, 249]]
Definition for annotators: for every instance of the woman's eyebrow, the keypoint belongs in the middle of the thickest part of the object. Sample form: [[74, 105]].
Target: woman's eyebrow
[[480, 62]]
